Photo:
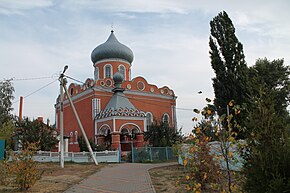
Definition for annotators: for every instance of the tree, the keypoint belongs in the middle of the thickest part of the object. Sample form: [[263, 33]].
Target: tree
[[229, 65], [273, 77], [6, 97], [267, 154], [224, 147], [36, 132], [160, 134], [83, 146], [6, 133]]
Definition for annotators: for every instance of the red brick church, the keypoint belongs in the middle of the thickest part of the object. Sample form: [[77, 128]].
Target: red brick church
[[115, 109]]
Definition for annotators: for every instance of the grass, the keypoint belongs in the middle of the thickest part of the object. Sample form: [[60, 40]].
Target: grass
[[56, 179]]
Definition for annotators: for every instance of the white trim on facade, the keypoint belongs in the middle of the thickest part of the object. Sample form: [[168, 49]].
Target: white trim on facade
[[124, 72], [112, 60], [105, 70], [104, 125], [129, 123]]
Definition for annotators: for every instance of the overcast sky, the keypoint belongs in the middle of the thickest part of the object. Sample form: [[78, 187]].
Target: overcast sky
[[169, 39]]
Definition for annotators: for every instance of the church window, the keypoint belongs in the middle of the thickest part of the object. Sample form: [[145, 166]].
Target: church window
[[108, 71], [96, 73], [71, 135], [96, 106], [166, 119], [149, 119], [140, 85], [76, 137], [135, 131], [122, 70]]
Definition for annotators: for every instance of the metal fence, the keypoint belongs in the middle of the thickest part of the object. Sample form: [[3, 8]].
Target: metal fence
[[78, 157], [153, 154]]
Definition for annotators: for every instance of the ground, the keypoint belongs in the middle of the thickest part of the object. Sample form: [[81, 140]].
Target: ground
[[164, 178], [56, 180]]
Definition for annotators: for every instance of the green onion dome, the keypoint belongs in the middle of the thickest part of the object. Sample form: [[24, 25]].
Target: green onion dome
[[112, 48]]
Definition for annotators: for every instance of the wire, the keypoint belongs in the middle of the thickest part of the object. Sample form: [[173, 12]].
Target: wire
[[142, 101], [37, 90], [74, 79], [34, 78]]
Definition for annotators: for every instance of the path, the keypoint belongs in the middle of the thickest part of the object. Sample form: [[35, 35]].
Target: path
[[119, 178]]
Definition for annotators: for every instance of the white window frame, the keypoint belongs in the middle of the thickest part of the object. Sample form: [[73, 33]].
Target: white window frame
[[111, 71], [163, 118], [119, 69], [71, 134], [76, 137], [96, 106], [151, 119], [96, 73]]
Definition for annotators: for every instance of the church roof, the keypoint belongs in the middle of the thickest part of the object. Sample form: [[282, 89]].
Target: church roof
[[119, 100], [119, 104], [112, 48]]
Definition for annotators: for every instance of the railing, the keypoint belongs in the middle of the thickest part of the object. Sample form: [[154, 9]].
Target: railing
[[78, 157], [153, 154]]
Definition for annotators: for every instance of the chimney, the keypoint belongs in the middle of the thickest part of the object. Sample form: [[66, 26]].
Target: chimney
[[20, 108], [40, 119]]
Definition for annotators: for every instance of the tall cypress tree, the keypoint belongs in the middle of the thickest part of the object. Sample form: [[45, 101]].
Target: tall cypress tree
[[228, 63]]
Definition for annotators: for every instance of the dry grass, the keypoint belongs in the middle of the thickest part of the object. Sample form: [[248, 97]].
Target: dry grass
[[164, 178], [56, 180]]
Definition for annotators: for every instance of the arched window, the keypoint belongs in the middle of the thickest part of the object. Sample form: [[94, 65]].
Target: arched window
[[108, 71], [149, 119], [166, 119], [76, 137], [124, 134], [122, 69], [71, 134], [96, 73], [135, 131]]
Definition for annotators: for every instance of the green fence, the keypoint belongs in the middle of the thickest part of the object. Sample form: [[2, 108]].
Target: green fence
[[153, 154], [2, 148]]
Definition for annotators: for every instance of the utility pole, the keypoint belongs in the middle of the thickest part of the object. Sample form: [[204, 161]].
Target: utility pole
[[80, 125], [63, 86], [61, 79]]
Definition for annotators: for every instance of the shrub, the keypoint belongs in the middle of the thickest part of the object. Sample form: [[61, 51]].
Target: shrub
[[202, 171], [22, 171]]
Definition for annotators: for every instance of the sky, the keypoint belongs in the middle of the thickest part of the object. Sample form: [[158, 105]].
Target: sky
[[169, 39]]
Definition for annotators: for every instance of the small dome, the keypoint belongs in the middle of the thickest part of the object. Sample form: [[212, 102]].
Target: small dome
[[118, 78], [112, 48]]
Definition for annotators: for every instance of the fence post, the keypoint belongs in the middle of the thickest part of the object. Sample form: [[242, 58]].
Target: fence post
[[150, 154], [72, 157], [50, 156], [166, 151], [132, 146], [119, 153]]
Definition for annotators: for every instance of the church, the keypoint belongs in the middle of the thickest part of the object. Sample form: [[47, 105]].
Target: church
[[115, 109]]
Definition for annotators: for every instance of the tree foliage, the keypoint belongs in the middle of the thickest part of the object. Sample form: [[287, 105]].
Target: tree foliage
[[6, 97], [160, 134], [267, 154], [22, 170], [228, 63], [273, 77], [36, 132], [83, 146]]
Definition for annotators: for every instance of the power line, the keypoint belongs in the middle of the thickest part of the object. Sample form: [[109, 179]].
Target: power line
[[36, 90], [34, 78]]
